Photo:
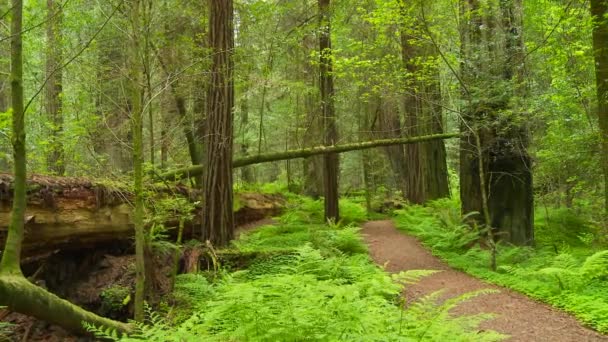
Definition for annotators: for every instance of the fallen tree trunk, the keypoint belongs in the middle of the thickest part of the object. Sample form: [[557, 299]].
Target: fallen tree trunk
[[19, 295], [76, 213], [196, 170]]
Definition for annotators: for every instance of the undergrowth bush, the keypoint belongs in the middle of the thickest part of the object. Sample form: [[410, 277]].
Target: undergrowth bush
[[322, 287], [565, 273]]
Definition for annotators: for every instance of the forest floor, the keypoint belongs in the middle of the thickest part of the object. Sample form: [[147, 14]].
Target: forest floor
[[517, 315]]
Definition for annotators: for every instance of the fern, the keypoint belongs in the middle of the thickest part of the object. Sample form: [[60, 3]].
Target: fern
[[412, 276], [596, 266]]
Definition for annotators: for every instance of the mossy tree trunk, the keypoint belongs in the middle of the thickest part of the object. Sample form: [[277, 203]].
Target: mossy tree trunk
[[218, 220], [16, 292], [11, 257], [53, 100], [599, 10], [331, 166]]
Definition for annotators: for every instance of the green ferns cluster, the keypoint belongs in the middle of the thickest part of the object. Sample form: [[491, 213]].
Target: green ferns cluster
[[322, 287], [570, 275]]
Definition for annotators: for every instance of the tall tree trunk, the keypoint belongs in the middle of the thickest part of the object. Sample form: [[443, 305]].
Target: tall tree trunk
[[138, 158], [218, 220], [11, 257], [331, 168], [4, 79], [414, 157], [599, 11], [436, 180], [503, 142], [387, 115], [426, 175], [54, 74]]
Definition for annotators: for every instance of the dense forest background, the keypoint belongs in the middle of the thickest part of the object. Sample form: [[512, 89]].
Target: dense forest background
[[78, 124], [500, 105]]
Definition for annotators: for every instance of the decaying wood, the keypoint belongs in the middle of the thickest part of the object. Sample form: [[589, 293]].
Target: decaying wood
[[74, 213]]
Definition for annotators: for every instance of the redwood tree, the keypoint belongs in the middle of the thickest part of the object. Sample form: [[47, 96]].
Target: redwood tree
[[599, 10], [492, 80], [218, 220], [331, 167]]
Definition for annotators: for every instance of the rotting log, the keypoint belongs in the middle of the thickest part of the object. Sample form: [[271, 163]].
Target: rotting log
[[196, 170], [76, 213]]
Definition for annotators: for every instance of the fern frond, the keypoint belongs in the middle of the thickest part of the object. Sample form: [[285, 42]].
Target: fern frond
[[596, 266], [412, 276]]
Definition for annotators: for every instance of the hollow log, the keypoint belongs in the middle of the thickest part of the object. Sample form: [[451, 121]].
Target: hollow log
[[76, 213]]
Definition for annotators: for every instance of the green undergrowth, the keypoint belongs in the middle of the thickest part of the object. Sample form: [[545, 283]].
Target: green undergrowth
[[566, 268], [321, 287]]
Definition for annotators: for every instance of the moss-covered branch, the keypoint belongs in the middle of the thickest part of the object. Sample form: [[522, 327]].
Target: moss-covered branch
[[308, 152], [19, 295]]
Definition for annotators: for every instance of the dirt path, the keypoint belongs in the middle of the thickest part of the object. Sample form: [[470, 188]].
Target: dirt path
[[518, 316]]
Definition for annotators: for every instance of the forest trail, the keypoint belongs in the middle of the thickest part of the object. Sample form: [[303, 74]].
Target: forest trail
[[517, 315]]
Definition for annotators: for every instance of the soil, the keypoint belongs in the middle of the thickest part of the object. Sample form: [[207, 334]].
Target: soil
[[517, 315]]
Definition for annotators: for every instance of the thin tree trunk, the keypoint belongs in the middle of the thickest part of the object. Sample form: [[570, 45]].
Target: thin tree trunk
[[246, 172], [599, 10], [11, 257], [331, 167], [218, 220], [53, 101]]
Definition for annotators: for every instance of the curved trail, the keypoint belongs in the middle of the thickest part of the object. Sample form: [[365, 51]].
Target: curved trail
[[517, 315]]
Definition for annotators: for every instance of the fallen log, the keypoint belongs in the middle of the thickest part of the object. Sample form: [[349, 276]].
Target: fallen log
[[196, 170], [76, 213]]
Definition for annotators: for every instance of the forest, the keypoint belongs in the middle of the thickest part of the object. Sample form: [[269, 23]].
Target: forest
[[304, 170]]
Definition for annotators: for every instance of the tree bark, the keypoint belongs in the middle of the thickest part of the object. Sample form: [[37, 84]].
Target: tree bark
[[503, 141], [193, 171], [218, 220], [331, 167], [426, 174], [53, 101], [599, 10], [414, 157]]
